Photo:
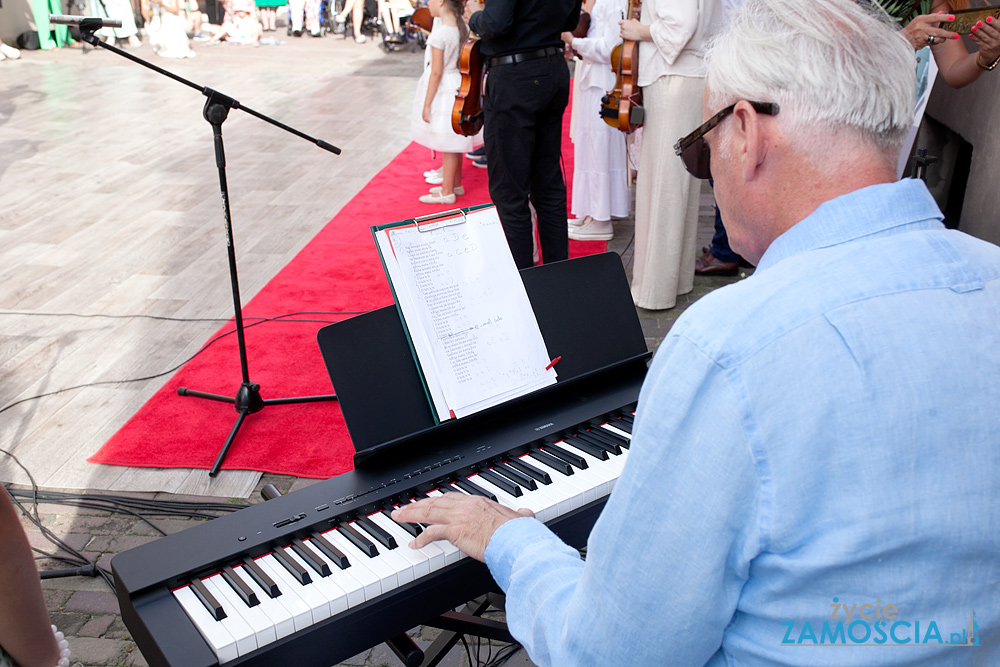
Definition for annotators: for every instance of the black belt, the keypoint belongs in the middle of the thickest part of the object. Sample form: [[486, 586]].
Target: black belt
[[527, 55]]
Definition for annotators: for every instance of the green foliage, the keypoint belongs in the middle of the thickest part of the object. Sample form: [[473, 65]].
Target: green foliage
[[904, 11]]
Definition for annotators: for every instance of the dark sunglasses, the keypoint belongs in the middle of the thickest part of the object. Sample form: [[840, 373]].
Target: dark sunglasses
[[693, 149]]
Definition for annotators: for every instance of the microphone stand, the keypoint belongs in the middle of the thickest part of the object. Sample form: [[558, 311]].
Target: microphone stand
[[248, 399]]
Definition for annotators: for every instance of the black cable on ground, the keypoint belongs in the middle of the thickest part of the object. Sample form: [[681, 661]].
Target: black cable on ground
[[139, 508], [260, 320]]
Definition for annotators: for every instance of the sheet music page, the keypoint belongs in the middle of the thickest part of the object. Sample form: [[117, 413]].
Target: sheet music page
[[467, 311], [421, 345]]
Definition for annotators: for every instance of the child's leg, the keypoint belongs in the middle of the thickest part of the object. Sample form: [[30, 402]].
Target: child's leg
[[358, 17], [458, 170], [451, 172]]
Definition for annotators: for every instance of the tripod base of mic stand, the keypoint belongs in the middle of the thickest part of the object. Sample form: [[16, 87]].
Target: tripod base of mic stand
[[246, 402]]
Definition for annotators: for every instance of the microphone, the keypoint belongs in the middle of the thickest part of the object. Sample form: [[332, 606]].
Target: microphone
[[87, 22]]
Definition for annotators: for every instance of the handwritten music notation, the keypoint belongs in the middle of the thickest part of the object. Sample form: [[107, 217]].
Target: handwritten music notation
[[466, 311]]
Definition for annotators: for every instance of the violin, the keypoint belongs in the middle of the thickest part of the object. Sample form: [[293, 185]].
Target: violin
[[422, 20], [621, 107], [467, 114]]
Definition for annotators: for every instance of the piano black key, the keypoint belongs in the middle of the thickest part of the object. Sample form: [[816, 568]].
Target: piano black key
[[586, 446], [604, 435], [240, 587], [474, 489], [622, 424], [598, 439], [529, 470], [311, 558], [502, 482], [569, 457], [627, 416], [357, 539], [413, 529], [207, 599], [330, 551], [516, 476], [551, 461], [447, 488], [387, 540], [404, 501], [297, 571], [261, 577]]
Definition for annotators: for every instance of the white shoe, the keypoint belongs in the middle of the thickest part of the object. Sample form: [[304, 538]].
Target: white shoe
[[593, 230], [360, 39], [578, 222], [438, 199], [436, 179], [459, 190], [9, 52], [434, 172]]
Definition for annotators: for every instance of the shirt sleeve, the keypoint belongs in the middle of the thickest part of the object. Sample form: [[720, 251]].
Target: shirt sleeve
[[672, 26], [601, 40], [494, 20], [669, 555]]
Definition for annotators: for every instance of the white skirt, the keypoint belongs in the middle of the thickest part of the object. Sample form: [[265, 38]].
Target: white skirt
[[438, 134]]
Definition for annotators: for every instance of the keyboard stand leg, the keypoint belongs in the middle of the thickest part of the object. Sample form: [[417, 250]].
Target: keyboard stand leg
[[469, 621], [406, 650]]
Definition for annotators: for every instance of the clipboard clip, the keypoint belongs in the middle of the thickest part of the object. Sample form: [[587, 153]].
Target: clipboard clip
[[428, 223]]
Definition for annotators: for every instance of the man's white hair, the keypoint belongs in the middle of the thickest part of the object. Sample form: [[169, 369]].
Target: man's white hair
[[831, 65]]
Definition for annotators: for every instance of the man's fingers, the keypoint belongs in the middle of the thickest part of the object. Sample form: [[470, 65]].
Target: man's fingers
[[430, 534]]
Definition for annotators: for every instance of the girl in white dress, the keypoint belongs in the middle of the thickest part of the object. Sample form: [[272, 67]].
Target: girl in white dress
[[435, 99], [600, 172]]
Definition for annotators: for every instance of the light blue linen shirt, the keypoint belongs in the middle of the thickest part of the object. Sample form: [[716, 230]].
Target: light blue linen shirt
[[823, 433]]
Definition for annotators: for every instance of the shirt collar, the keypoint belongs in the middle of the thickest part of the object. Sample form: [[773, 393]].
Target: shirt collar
[[871, 210]]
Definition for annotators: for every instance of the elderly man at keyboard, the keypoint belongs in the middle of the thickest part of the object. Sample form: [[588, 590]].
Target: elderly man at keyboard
[[815, 460]]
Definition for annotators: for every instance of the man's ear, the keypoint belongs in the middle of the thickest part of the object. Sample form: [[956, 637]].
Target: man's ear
[[749, 141]]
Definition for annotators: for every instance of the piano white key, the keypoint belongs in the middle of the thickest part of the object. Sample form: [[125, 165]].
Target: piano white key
[[419, 561], [528, 500], [392, 558], [384, 575], [345, 579], [607, 470], [241, 630], [335, 596], [568, 494], [280, 617], [217, 637], [313, 601], [262, 626], [371, 587], [433, 552], [594, 483], [452, 554], [547, 500]]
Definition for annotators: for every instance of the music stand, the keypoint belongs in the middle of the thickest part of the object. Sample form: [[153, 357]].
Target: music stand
[[248, 399]]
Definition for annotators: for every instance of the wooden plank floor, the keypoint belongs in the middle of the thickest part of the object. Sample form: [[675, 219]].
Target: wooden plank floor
[[109, 209]]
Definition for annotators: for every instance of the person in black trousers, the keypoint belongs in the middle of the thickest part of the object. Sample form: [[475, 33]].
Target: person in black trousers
[[527, 89]]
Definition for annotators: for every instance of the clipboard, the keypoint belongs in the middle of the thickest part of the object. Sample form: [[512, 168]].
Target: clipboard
[[467, 318]]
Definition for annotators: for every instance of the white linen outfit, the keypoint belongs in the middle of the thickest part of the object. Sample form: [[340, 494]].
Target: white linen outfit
[[672, 76], [600, 171]]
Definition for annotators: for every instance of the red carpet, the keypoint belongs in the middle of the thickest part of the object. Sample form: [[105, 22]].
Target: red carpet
[[338, 271]]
